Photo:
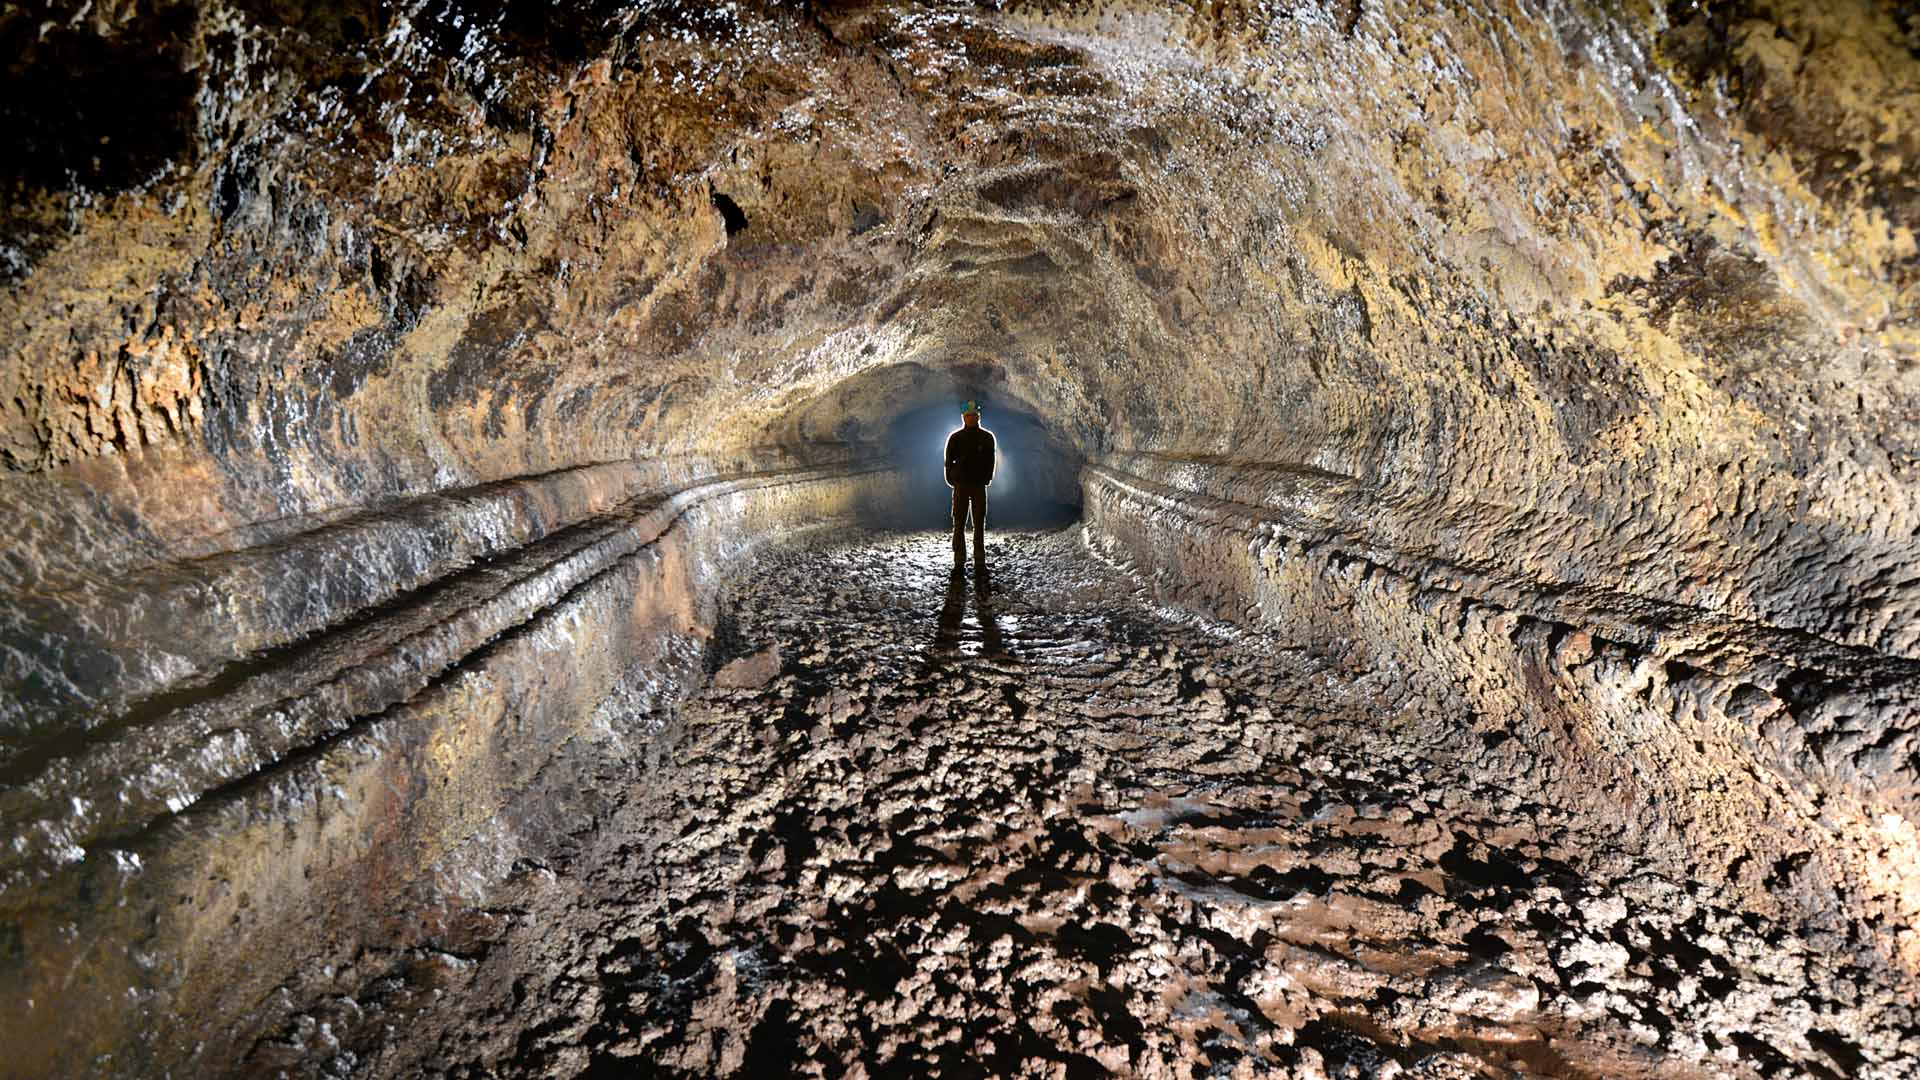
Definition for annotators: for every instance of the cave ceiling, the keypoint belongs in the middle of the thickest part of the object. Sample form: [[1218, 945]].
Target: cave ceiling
[[1351, 235], [1564, 350], [1628, 288], [1624, 295]]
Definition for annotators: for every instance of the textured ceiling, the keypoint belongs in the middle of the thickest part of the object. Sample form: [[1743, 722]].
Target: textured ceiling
[[1644, 278], [1564, 350]]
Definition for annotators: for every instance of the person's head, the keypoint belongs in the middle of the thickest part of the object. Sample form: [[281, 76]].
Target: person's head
[[970, 414]]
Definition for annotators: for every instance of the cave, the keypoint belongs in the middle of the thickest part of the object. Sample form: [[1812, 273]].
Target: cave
[[478, 598]]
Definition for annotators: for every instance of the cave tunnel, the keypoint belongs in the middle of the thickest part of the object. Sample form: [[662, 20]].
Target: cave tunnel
[[477, 594], [1036, 480]]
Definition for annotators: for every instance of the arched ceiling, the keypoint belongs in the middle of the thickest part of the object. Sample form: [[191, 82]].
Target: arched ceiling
[[1639, 281]]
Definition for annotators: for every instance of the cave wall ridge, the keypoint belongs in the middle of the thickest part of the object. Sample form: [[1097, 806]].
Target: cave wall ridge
[[1725, 751], [367, 787]]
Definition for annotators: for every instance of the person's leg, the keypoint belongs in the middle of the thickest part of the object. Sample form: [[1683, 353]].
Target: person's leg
[[959, 527], [980, 525]]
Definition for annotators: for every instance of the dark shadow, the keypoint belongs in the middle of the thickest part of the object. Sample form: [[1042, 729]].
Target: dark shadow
[[950, 633], [947, 637], [730, 212], [983, 606]]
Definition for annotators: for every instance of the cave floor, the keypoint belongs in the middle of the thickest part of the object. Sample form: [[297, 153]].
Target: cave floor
[[915, 828]]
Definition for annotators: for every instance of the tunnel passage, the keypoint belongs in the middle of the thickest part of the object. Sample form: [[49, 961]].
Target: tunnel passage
[[1036, 481], [385, 421], [913, 824]]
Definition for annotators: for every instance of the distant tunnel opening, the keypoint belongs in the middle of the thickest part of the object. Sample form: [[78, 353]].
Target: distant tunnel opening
[[1036, 481]]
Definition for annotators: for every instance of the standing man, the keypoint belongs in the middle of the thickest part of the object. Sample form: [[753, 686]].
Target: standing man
[[969, 471]]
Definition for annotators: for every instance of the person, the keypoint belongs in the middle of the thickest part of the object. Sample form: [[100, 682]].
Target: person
[[969, 471]]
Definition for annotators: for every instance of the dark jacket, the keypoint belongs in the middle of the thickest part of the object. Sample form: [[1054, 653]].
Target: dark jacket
[[970, 458]]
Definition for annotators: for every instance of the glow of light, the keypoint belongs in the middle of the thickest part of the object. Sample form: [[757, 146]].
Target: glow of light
[[1004, 475]]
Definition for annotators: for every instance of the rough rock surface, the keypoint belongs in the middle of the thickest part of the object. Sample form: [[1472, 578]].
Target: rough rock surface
[[1050, 829], [384, 387], [1634, 286]]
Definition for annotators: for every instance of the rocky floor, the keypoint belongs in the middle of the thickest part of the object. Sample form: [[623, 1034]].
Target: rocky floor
[[1036, 826]]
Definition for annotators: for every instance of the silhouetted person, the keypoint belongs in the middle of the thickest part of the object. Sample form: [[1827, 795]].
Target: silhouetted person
[[969, 471]]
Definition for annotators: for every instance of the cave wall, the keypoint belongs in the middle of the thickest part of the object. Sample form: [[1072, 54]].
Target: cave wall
[[1630, 287], [1763, 765], [368, 788], [1488, 338]]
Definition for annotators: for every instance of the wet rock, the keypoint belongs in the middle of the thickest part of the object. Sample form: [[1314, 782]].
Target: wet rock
[[934, 887], [750, 672], [387, 392]]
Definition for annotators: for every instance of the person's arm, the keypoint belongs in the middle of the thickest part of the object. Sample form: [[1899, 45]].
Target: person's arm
[[951, 463], [992, 462]]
